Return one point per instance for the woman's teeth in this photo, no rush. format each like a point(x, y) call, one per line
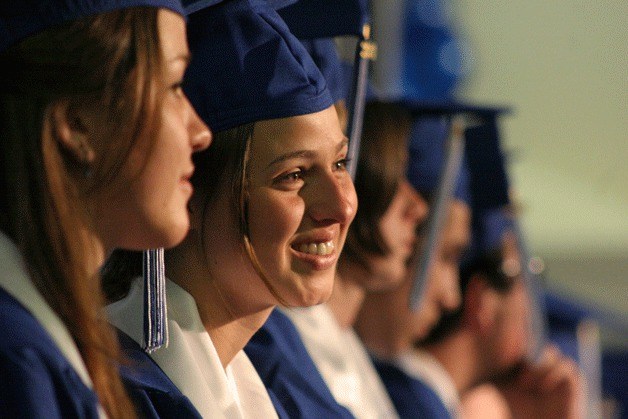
point(321, 249)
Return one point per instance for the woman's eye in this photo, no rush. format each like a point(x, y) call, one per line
point(291, 177)
point(341, 164)
point(178, 88)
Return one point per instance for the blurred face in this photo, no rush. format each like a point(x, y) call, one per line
point(509, 336)
point(398, 228)
point(443, 289)
point(151, 211)
point(301, 201)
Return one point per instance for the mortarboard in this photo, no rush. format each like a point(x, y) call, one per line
point(486, 160)
point(323, 52)
point(427, 153)
point(311, 19)
point(20, 19)
point(490, 192)
point(192, 6)
point(248, 67)
point(488, 184)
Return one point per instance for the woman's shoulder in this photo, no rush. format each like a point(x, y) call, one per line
point(22, 332)
point(37, 380)
point(152, 392)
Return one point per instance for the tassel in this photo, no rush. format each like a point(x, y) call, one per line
point(423, 259)
point(366, 51)
point(155, 308)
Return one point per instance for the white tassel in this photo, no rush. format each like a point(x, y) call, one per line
point(155, 307)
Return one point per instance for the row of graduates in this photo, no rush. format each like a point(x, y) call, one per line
point(284, 299)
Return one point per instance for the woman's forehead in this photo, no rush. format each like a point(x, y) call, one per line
point(306, 135)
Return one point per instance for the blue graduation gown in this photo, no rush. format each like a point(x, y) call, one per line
point(152, 392)
point(36, 380)
point(283, 363)
point(412, 398)
point(150, 389)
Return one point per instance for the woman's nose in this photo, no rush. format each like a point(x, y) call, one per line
point(333, 199)
point(417, 208)
point(200, 134)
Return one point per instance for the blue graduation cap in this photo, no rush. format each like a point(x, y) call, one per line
point(310, 19)
point(424, 57)
point(192, 6)
point(488, 183)
point(488, 229)
point(316, 23)
point(20, 19)
point(486, 160)
point(248, 67)
point(323, 52)
point(316, 19)
point(427, 157)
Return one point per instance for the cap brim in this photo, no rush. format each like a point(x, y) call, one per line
point(434, 107)
point(308, 19)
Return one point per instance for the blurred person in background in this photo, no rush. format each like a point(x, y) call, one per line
point(487, 338)
point(385, 323)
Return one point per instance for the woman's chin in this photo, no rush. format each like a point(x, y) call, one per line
point(311, 296)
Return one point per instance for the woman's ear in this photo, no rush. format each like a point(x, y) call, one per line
point(71, 135)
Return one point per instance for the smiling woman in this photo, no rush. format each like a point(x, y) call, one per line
point(271, 207)
point(300, 206)
point(379, 245)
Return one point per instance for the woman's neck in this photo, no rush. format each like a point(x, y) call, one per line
point(230, 336)
point(229, 322)
point(348, 294)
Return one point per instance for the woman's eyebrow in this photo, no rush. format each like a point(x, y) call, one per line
point(342, 144)
point(292, 155)
point(305, 153)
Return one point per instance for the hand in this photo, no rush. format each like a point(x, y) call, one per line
point(551, 388)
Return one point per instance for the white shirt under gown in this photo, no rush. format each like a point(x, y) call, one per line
point(343, 361)
point(190, 360)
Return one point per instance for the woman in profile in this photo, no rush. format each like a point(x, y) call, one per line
point(96, 138)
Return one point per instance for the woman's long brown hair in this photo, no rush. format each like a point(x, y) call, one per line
point(381, 166)
point(107, 64)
